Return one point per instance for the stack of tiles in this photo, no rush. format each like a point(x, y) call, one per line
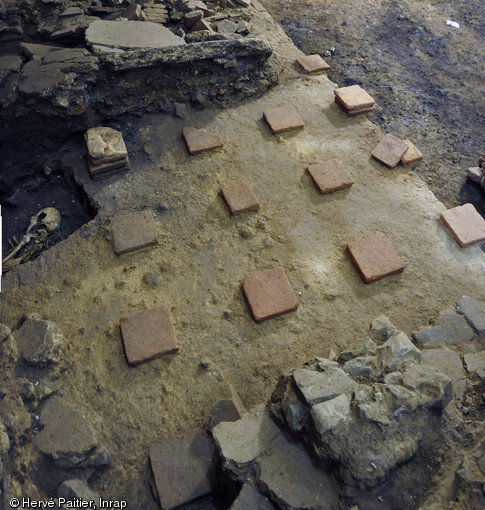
point(354, 100)
point(107, 154)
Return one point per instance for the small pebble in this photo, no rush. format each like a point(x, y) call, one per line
point(204, 364)
point(153, 279)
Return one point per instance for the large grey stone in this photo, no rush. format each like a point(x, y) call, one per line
point(67, 435)
point(39, 342)
point(448, 362)
point(475, 363)
point(72, 489)
point(240, 442)
point(397, 352)
point(290, 478)
point(362, 367)
point(317, 387)
point(223, 410)
point(474, 311)
point(331, 413)
point(250, 498)
point(368, 348)
point(448, 329)
point(294, 410)
point(9, 64)
point(434, 389)
point(131, 35)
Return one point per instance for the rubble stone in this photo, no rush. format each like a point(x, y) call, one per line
point(4, 332)
point(39, 342)
point(475, 363)
point(240, 442)
point(72, 489)
point(381, 328)
point(223, 410)
point(249, 497)
point(448, 329)
point(330, 414)
point(369, 348)
point(362, 367)
point(434, 388)
point(397, 353)
point(474, 311)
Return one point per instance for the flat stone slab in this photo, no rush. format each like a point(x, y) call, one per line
point(465, 224)
point(223, 410)
point(317, 387)
point(290, 477)
point(130, 35)
point(283, 119)
point(200, 140)
point(240, 198)
point(67, 436)
point(412, 156)
point(183, 468)
point(39, 342)
point(449, 329)
point(374, 257)
point(133, 231)
point(148, 335)
point(390, 151)
point(268, 294)
point(240, 442)
point(313, 63)
point(330, 176)
point(249, 497)
point(474, 311)
point(475, 363)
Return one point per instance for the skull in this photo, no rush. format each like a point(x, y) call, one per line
point(49, 218)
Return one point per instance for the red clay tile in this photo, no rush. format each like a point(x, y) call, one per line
point(240, 198)
point(199, 140)
point(283, 119)
point(133, 231)
point(390, 151)
point(148, 335)
point(352, 112)
point(183, 468)
point(330, 176)
point(353, 97)
point(465, 224)
point(268, 294)
point(374, 257)
point(412, 156)
point(313, 63)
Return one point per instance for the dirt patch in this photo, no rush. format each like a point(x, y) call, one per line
point(425, 75)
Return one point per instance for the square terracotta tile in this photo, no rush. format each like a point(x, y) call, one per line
point(390, 151)
point(268, 294)
point(465, 224)
point(330, 176)
point(352, 112)
point(148, 335)
point(412, 156)
point(354, 97)
point(133, 231)
point(313, 63)
point(283, 119)
point(240, 198)
point(200, 140)
point(183, 468)
point(374, 257)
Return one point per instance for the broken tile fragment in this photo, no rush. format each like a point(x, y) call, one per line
point(133, 231)
point(465, 224)
point(330, 176)
point(374, 257)
point(268, 294)
point(412, 156)
point(354, 100)
point(240, 198)
point(148, 335)
point(107, 152)
point(183, 468)
point(390, 151)
point(313, 63)
point(283, 119)
point(199, 140)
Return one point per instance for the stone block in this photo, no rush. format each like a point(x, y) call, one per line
point(133, 231)
point(330, 414)
point(330, 176)
point(474, 311)
point(268, 294)
point(397, 353)
point(283, 119)
point(390, 151)
point(465, 224)
point(148, 335)
point(200, 140)
point(434, 388)
point(183, 468)
point(475, 363)
point(240, 198)
point(374, 257)
point(313, 64)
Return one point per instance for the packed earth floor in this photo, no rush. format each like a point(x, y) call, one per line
point(195, 268)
